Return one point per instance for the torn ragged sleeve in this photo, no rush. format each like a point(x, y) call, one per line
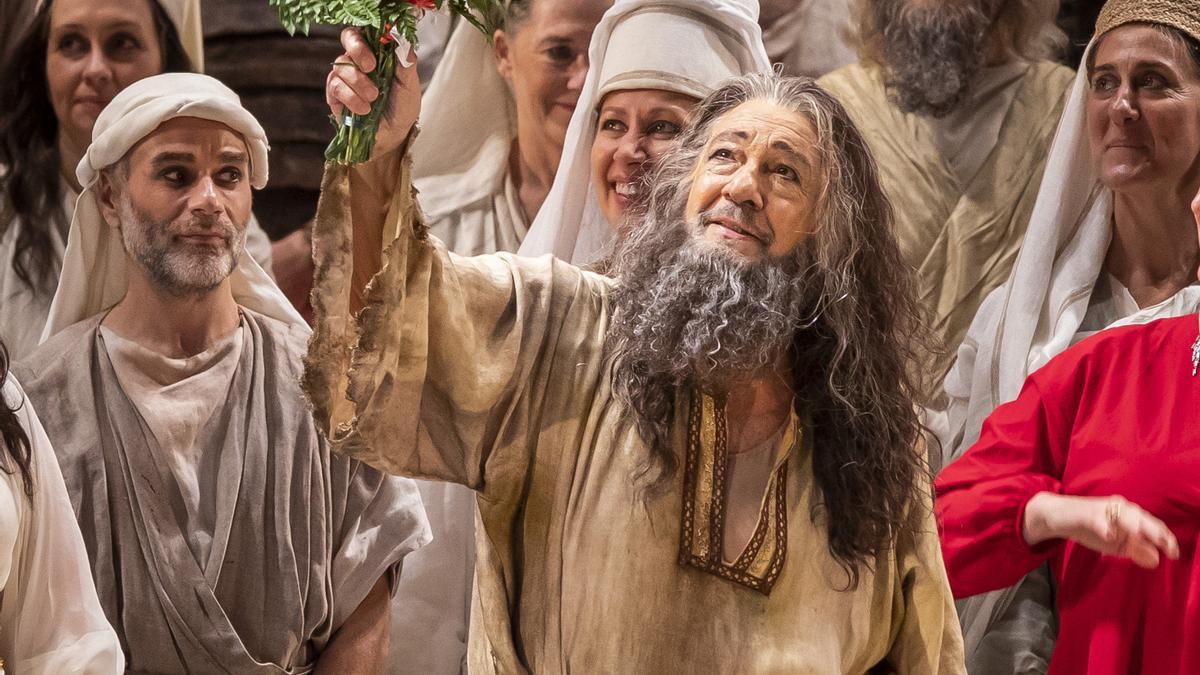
point(442, 363)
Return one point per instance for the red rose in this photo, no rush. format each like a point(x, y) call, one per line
point(423, 4)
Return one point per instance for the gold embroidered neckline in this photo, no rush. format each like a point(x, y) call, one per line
point(706, 482)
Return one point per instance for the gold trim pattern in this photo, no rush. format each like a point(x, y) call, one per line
point(705, 485)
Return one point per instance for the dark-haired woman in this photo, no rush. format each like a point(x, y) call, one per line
point(50, 617)
point(73, 59)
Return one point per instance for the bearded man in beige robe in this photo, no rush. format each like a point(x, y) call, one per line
point(958, 104)
point(706, 463)
point(222, 535)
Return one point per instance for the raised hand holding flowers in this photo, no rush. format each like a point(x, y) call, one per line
point(389, 28)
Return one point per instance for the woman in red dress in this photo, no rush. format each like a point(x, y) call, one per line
point(1092, 457)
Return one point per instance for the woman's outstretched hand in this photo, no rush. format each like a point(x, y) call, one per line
point(1109, 525)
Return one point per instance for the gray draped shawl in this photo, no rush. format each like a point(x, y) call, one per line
point(301, 536)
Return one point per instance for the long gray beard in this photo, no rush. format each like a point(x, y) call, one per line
point(689, 313)
point(933, 55)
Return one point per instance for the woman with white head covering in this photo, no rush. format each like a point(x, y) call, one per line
point(651, 61)
point(495, 119)
point(1111, 242)
point(72, 60)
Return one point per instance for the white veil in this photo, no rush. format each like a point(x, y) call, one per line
point(468, 128)
point(570, 224)
point(1036, 314)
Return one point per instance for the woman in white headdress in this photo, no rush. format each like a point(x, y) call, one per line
point(74, 57)
point(651, 62)
point(1111, 242)
point(496, 115)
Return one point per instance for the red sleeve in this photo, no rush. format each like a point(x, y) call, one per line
point(981, 498)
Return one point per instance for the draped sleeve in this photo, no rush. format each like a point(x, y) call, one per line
point(50, 617)
point(928, 639)
point(449, 358)
point(1021, 451)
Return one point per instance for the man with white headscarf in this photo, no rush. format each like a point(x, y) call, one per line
point(52, 96)
point(959, 104)
point(223, 536)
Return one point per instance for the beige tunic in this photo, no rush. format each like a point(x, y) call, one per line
point(491, 372)
point(959, 221)
point(812, 38)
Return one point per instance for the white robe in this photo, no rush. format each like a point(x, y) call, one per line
point(50, 619)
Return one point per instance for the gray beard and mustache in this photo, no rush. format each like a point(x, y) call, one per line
point(179, 269)
point(689, 312)
point(933, 55)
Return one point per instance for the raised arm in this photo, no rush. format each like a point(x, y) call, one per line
point(422, 362)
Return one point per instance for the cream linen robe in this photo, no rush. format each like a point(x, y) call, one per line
point(960, 230)
point(23, 311)
point(491, 372)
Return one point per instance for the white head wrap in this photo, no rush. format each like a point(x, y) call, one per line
point(469, 127)
point(683, 46)
point(1035, 315)
point(93, 274)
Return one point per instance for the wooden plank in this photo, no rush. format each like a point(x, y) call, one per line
point(277, 62)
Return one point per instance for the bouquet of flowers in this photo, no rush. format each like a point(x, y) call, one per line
point(390, 27)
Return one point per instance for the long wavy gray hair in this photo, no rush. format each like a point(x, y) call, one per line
point(841, 308)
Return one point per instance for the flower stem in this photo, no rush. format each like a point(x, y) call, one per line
point(355, 137)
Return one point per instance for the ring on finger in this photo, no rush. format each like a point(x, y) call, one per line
point(1113, 512)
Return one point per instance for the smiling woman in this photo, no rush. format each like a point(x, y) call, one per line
point(651, 63)
point(634, 128)
point(1143, 107)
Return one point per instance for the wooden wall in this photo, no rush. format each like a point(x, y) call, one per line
point(281, 80)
